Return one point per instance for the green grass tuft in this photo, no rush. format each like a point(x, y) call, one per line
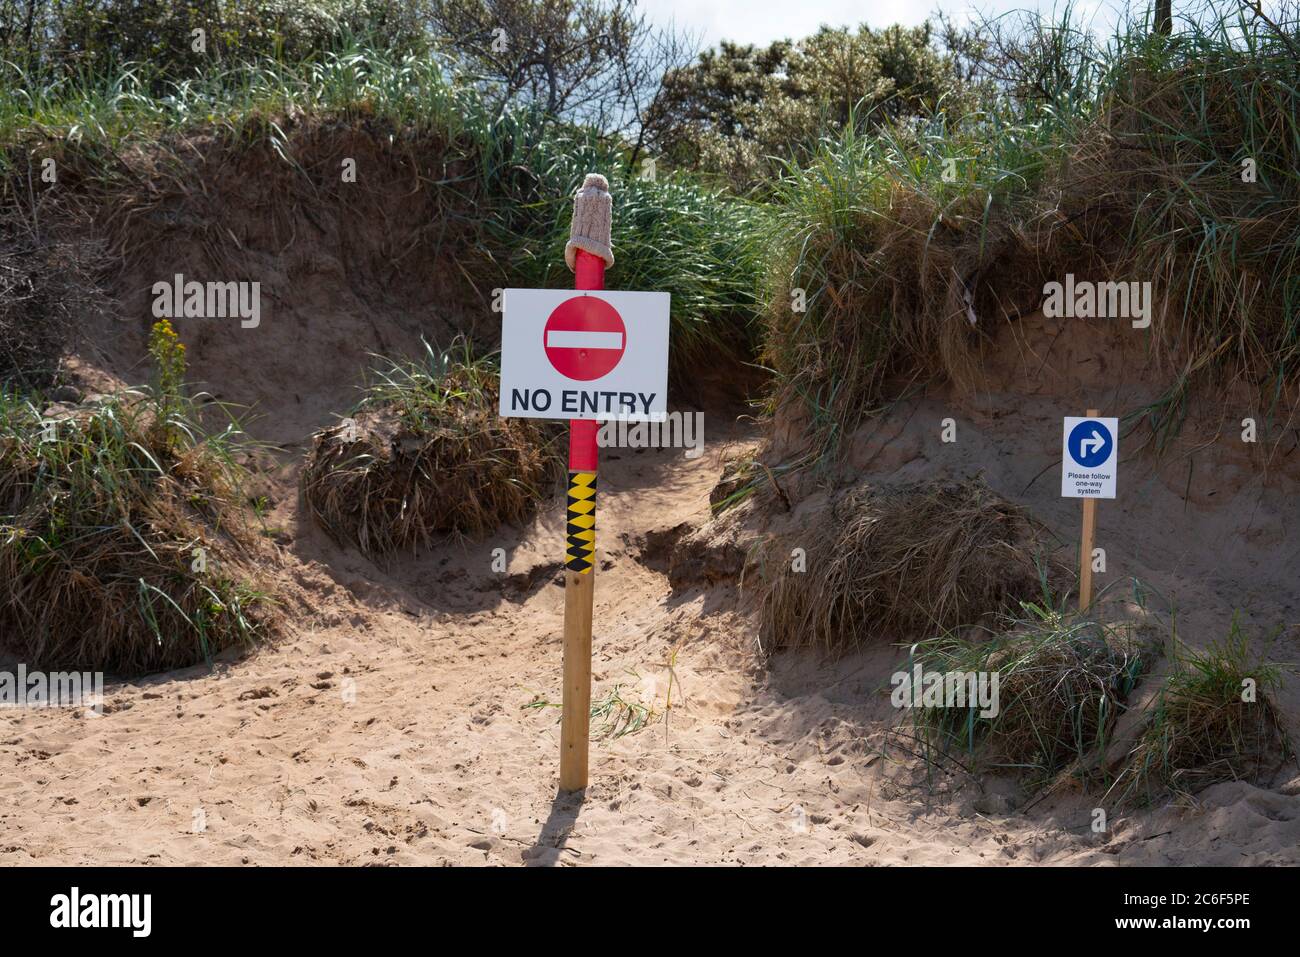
point(1062, 683)
point(122, 543)
point(1213, 720)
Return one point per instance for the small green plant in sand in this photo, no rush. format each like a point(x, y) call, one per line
point(168, 354)
point(1213, 720)
point(618, 715)
point(614, 713)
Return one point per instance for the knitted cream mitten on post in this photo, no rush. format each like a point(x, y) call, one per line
point(592, 208)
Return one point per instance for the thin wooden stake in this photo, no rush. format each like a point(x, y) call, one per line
point(575, 724)
point(1085, 544)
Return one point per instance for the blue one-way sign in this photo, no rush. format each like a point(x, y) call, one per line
point(1089, 458)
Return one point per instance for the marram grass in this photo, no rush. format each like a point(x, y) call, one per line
point(425, 457)
point(122, 541)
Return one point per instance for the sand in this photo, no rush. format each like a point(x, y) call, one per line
point(406, 716)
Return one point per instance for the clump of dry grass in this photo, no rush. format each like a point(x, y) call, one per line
point(1061, 684)
point(901, 564)
point(122, 546)
point(1206, 727)
point(426, 455)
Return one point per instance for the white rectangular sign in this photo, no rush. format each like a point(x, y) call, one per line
point(572, 354)
point(1089, 457)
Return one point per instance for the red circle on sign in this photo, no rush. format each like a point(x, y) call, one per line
point(584, 338)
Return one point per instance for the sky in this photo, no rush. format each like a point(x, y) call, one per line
point(762, 21)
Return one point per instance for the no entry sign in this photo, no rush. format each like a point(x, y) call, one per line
point(585, 338)
point(584, 355)
point(1089, 457)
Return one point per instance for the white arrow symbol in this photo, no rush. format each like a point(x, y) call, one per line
point(1096, 442)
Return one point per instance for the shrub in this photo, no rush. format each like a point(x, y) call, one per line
point(426, 455)
point(1062, 683)
point(1205, 727)
point(902, 564)
point(102, 36)
point(122, 546)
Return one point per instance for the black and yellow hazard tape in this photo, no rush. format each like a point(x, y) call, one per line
point(580, 551)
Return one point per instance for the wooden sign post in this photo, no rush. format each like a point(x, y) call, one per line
point(1089, 464)
point(579, 572)
point(583, 356)
point(1085, 543)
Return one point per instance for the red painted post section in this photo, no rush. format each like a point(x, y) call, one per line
point(588, 274)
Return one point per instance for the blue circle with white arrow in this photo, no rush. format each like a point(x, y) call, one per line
point(1090, 444)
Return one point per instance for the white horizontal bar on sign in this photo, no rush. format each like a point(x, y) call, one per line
point(577, 339)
